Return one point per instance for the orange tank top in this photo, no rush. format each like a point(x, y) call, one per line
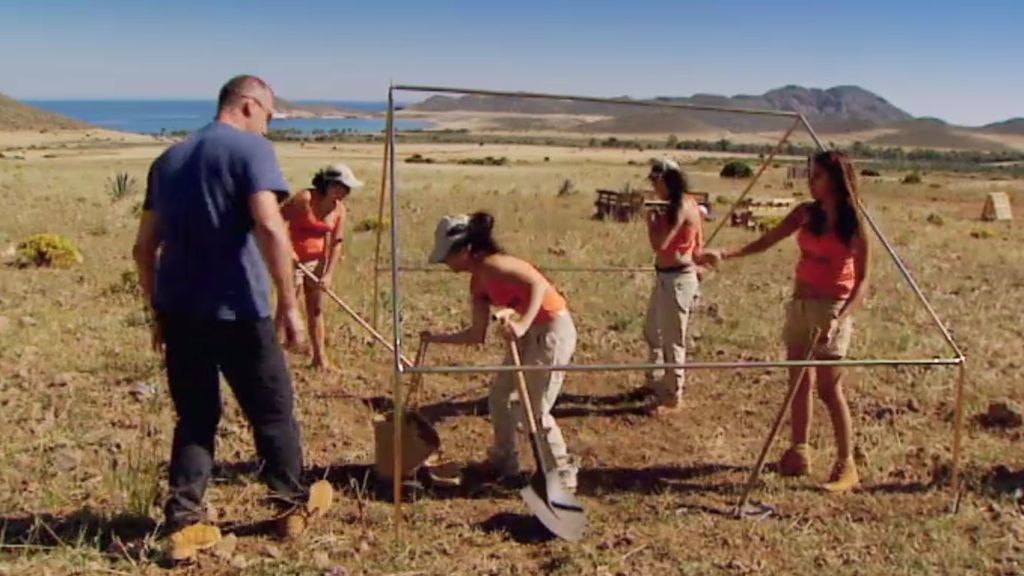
point(516, 295)
point(309, 233)
point(687, 239)
point(826, 264)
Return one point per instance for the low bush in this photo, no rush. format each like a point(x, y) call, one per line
point(47, 251)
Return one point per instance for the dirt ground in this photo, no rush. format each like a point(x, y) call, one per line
point(88, 420)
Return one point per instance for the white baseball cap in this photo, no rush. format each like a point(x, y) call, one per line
point(664, 165)
point(341, 173)
point(450, 230)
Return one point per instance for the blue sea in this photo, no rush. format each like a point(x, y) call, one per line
point(156, 116)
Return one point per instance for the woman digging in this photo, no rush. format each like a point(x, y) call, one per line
point(675, 235)
point(316, 222)
point(831, 276)
point(541, 326)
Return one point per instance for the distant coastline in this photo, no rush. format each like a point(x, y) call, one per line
point(175, 116)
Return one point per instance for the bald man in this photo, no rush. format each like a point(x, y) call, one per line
point(210, 241)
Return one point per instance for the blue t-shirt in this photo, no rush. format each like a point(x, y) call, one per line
point(209, 263)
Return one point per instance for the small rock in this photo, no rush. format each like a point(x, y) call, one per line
point(142, 390)
point(226, 547)
point(63, 379)
point(913, 405)
point(66, 460)
point(239, 562)
point(885, 413)
point(861, 457)
point(1001, 415)
point(941, 473)
point(272, 551)
point(321, 560)
point(28, 321)
point(212, 514)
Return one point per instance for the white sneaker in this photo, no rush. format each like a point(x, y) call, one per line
point(567, 473)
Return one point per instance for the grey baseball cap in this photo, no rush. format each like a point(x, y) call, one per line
point(450, 230)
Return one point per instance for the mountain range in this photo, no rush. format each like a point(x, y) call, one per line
point(837, 110)
point(850, 112)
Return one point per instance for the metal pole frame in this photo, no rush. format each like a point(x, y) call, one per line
point(399, 368)
point(753, 181)
point(597, 269)
point(396, 320)
point(380, 210)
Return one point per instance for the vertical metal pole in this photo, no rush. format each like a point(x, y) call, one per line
point(750, 186)
point(380, 212)
point(958, 424)
point(396, 319)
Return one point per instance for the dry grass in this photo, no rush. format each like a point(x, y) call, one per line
point(87, 419)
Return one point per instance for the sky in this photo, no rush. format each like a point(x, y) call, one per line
point(957, 60)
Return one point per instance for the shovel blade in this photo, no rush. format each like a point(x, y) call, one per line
point(556, 508)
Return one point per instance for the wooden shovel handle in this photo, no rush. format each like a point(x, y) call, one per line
point(524, 392)
point(755, 472)
point(417, 379)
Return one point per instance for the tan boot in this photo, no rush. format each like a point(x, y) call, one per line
point(844, 477)
point(184, 544)
point(796, 461)
point(321, 497)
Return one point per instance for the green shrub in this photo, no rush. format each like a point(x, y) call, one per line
point(419, 159)
point(981, 233)
point(737, 169)
point(912, 178)
point(126, 285)
point(870, 172)
point(47, 250)
point(935, 219)
point(769, 222)
point(723, 200)
point(370, 225)
point(121, 185)
point(485, 161)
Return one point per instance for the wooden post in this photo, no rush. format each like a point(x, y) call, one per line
point(380, 211)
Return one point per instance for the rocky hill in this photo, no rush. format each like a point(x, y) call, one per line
point(842, 108)
point(15, 115)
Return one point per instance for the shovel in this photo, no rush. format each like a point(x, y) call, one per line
point(547, 499)
point(419, 438)
point(352, 313)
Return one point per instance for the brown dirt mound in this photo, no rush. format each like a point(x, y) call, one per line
point(931, 133)
point(660, 122)
point(1014, 126)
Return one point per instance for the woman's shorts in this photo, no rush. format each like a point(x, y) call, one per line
point(300, 277)
point(804, 316)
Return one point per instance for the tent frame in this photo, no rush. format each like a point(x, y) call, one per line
point(390, 188)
